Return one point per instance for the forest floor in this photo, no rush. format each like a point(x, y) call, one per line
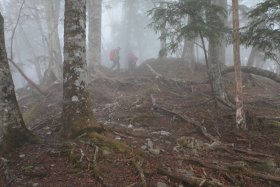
point(160, 131)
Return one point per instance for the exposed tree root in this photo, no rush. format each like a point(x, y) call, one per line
point(138, 165)
point(252, 153)
point(262, 176)
point(225, 169)
point(269, 118)
point(191, 180)
point(243, 158)
point(186, 119)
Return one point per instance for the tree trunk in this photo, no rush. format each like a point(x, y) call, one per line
point(256, 71)
point(278, 63)
point(252, 57)
point(163, 48)
point(13, 132)
point(77, 112)
point(94, 35)
point(55, 57)
point(188, 50)
point(129, 14)
point(214, 72)
point(221, 46)
point(240, 114)
point(215, 52)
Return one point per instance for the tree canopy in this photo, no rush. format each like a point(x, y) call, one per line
point(263, 30)
point(172, 16)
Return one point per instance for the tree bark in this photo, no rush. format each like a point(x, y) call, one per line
point(240, 113)
point(163, 48)
point(77, 112)
point(214, 70)
point(278, 63)
point(221, 46)
point(13, 132)
point(188, 49)
point(94, 35)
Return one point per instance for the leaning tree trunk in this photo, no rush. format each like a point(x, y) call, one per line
point(52, 8)
point(256, 71)
point(13, 132)
point(240, 113)
point(252, 56)
point(188, 50)
point(94, 35)
point(77, 113)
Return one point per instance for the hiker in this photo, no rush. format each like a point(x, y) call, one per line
point(115, 58)
point(132, 60)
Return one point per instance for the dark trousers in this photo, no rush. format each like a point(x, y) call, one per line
point(131, 66)
point(116, 63)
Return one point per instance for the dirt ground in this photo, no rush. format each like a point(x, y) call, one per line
point(160, 131)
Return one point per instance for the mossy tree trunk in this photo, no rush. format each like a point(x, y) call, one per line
point(77, 112)
point(13, 132)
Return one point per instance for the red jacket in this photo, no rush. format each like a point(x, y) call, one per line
point(132, 57)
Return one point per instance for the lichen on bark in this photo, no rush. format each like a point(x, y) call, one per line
point(77, 109)
point(13, 132)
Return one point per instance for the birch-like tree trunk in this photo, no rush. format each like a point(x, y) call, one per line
point(54, 49)
point(77, 111)
point(13, 132)
point(240, 113)
point(94, 34)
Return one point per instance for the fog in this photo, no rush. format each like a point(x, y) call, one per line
point(124, 24)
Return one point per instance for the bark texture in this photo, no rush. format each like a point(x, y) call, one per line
point(216, 55)
point(94, 34)
point(240, 113)
point(214, 71)
point(221, 46)
point(13, 132)
point(77, 112)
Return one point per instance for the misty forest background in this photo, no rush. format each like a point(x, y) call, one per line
point(32, 24)
point(201, 107)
